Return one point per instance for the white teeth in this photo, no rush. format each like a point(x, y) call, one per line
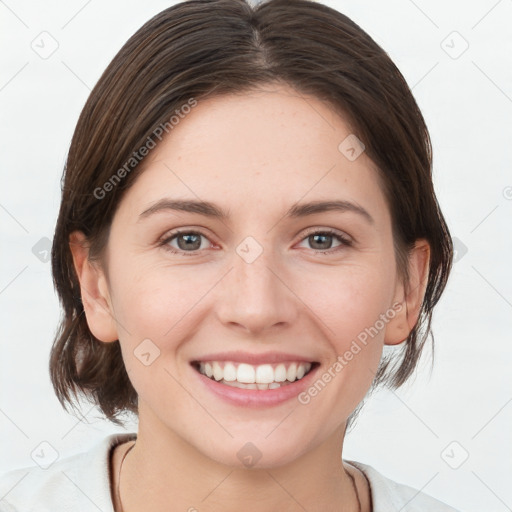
point(230, 372)
point(291, 373)
point(263, 376)
point(217, 371)
point(280, 373)
point(245, 373)
point(236, 384)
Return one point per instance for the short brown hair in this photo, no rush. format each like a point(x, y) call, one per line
point(202, 48)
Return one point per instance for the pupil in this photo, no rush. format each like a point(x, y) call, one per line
point(194, 241)
point(315, 237)
point(189, 241)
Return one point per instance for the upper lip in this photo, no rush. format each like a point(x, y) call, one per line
point(255, 359)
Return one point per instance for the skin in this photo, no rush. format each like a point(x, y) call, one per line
point(292, 298)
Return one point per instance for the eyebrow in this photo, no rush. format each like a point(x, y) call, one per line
point(212, 210)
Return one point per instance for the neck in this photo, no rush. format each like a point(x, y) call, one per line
point(163, 469)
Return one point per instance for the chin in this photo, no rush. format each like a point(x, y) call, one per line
point(254, 451)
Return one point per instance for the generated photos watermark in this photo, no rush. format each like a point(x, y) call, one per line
point(143, 151)
point(343, 360)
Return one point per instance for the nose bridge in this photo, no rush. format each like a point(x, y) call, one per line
point(254, 294)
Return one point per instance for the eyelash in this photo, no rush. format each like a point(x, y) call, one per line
point(345, 241)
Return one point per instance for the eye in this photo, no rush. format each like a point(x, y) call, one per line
point(321, 240)
point(189, 242)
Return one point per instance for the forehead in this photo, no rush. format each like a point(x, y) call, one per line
point(267, 147)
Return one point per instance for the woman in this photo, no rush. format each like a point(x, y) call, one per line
point(247, 219)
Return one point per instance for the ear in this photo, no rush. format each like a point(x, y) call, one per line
point(94, 290)
point(408, 301)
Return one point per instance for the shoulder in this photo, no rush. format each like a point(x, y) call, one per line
point(391, 496)
point(80, 481)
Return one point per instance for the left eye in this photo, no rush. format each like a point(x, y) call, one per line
point(325, 238)
point(189, 242)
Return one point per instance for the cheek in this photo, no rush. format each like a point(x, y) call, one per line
point(155, 308)
point(348, 300)
point(349, 309)
point(154, 303)
point(158, 301)
point(351, 304)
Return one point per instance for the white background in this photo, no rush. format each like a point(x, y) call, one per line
point(467, 103)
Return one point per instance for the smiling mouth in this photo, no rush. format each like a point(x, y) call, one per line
point(248, 376)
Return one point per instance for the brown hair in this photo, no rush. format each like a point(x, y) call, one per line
point(202, 48)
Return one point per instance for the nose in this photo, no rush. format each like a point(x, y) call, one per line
point(257, 296)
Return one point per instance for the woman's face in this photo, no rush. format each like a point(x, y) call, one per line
point(254, 292)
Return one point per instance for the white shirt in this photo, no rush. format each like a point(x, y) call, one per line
point(81, 483)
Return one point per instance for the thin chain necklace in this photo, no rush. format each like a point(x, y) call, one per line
point(355, 492)
point(126, 453)
point(119, 478)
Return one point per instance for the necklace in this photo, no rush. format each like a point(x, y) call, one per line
point(355, 492)
point(118, 495)
point(126, 453)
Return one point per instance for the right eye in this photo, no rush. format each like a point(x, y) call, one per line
point(189, 242)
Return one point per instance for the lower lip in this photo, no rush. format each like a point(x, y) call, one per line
point(257, 397)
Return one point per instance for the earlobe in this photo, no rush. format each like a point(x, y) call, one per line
point(93, 289)
point(411, 299)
